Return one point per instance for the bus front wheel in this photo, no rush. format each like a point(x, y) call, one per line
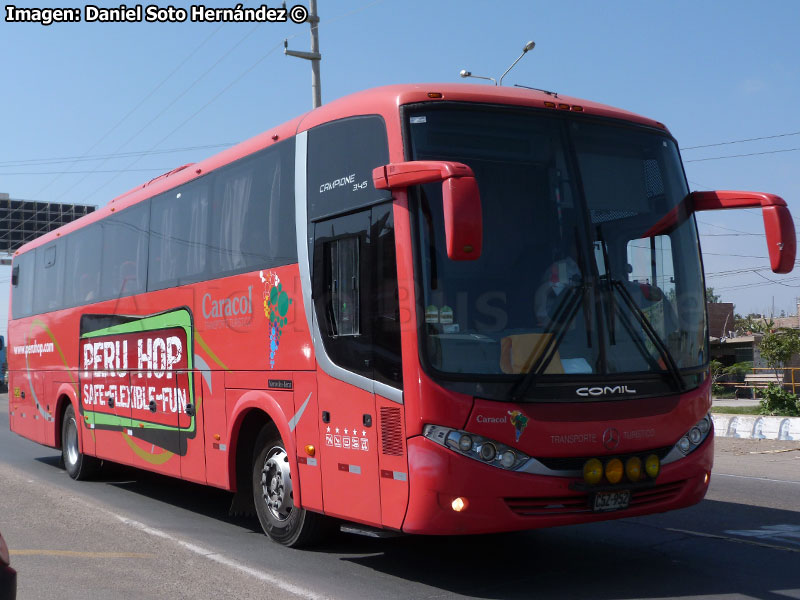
point(78, 465)
point(273, 495)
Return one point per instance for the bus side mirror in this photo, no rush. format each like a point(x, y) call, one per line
point(461, 200)
point(778, 224)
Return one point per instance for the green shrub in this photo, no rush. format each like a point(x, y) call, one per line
point(777, 401)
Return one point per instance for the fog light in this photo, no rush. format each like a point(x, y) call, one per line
point(465, 443)
point(695, 435)
point(592, 471)
point(652, 466)
point(633, 468)
point(704, 426)
point(684, 445)
point(614, 470)
point(488, 451)
point(508, 459)
point(459, 504)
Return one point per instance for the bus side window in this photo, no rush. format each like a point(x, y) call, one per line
point(83, 265)
point(125, 239)
point(22, 290)
point(252, 213)
point(179, 226)
point(49, 277)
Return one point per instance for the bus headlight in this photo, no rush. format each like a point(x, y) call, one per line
point(690, 440)
point(489, 452)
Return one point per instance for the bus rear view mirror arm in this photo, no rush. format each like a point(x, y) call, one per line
point(461, 200)
point(778, 223)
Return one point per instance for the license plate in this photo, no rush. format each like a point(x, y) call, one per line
point(608, 501)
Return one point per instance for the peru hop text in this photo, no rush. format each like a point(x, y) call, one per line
point(154, 13)
point(156, 358)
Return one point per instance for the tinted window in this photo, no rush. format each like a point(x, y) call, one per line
point(345, 286)
point(341, 157)
point(179, 235)
point(341, 251)
point(386, 304)
point(22, 293)
point(49, 284)
point(125, 238)
point(253, 213)
point(83, 266)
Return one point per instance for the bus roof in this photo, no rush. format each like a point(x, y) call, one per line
point(381, 100)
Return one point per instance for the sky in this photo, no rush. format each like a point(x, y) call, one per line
point(165, 94)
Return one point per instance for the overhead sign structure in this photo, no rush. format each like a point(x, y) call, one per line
point(24, 220)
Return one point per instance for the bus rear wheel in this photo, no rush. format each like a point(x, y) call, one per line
point(273, 495)
point(78, 465)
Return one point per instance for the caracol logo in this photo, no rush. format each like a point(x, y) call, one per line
point(606, 390)
point(482, 419)
point(228, 307)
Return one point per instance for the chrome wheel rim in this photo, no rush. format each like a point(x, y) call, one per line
point(276, 484)
point(71, 442)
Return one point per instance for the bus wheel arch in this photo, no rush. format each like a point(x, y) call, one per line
point(58, 414)
point(66, 397)
point(78, 465)
point(253, 411)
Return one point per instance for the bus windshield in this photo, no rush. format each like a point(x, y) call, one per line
point(590, 265)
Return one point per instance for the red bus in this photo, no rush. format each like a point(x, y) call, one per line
point(436, 309)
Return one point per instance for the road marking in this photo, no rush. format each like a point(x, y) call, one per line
point(715, 474)
point(731, 539)
point(224, 560)
point(77, 554)
point(780, 533)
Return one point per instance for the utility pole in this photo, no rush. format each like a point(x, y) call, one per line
point(314, 56)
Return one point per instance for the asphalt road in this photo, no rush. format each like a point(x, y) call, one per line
point(131, 534)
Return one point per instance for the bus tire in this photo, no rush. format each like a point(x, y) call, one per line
point(280, 519)
point(78, 465)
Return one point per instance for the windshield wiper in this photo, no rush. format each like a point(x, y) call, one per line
point(651, 333)
point(568, 307)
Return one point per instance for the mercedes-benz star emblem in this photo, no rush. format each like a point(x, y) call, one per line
point(610, 438)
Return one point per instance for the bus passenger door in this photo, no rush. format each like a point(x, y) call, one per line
point(341, 285)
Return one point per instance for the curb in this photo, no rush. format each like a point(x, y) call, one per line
point(756, 428)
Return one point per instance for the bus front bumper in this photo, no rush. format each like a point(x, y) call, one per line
point(495, 500)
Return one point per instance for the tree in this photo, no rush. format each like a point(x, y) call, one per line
point(752, 323)
point(711, 296)
point(778, 347)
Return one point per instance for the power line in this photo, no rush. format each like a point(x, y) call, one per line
point(726, 228)
point(151, 169)
point(766, 137)
point(741, 155)
point(236, 80)
point(194, 114)
point(168, 106)
point(135, 108)
point(88, 158)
